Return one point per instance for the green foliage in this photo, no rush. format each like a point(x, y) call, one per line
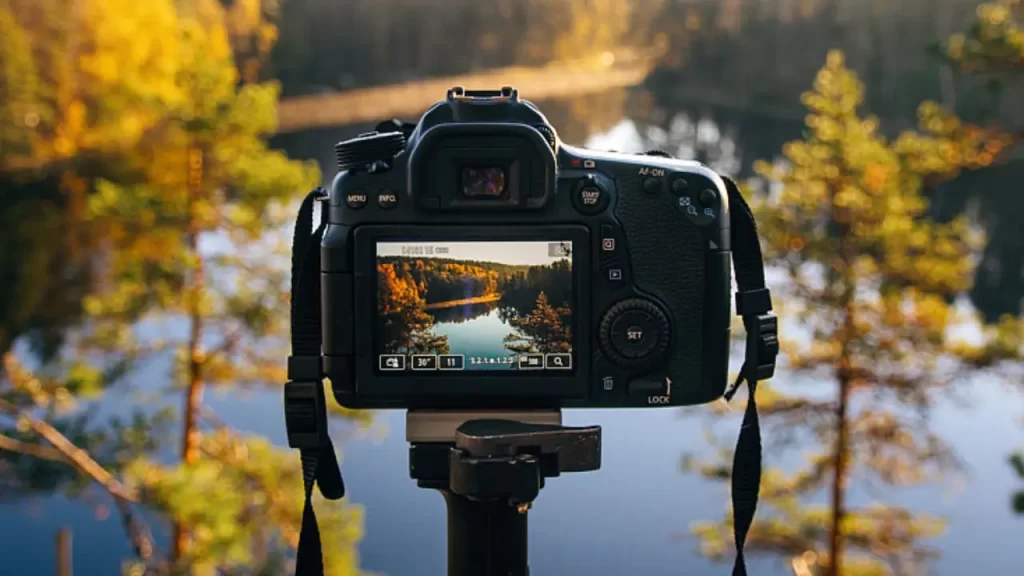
point(127, 125)
point(245, 500)
point(872, 284)
point(994, 43)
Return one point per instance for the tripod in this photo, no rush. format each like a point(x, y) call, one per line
point(490, 466)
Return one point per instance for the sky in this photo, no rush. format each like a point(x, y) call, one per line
point(515, 253)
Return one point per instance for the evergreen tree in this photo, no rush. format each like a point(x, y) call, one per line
point(544, 330)
point(868, 304)
point(993, 49)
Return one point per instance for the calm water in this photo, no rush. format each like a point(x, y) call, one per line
point(629, 518)
point(477, 332)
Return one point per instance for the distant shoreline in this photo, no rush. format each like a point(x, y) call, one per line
point(473, 300)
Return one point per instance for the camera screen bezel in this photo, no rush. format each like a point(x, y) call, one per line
point(469, 386)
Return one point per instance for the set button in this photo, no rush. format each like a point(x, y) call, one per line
point(634, 330)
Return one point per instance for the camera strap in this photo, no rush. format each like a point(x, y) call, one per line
point(754, 305)
point(305, 400)
point(305, 403)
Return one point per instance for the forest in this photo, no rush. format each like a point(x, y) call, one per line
point(437, 282)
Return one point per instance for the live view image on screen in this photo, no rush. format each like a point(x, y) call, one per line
point(494, 305)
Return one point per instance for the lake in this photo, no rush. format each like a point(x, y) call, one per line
point(477, 332)
point(629, 518)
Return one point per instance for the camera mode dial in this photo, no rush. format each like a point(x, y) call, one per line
point(368, 148)
point(633, 331)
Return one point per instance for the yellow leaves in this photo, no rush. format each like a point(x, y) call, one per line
point(994, 14)
point(955, 46)
point(835, 59)
point(930, 312)
point(994, 43)
point(875, 177)
point(70, 130)
point(853, 198)
point(1003, 341)
point(123, 64)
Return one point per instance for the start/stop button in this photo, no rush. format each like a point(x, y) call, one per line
point(589, 196)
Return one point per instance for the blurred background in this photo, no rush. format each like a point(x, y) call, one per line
point(152, 155)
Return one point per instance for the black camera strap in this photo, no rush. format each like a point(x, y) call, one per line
point(305, 400)
point(754, 305)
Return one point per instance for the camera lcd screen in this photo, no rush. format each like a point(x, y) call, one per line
point(465, 306)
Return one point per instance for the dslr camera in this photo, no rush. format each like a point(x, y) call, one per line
point(475, 261)
point(477, 271)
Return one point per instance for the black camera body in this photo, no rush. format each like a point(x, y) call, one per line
point(477, 262)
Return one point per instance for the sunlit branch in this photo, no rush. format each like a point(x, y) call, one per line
point(64, 450)
point(35, 450)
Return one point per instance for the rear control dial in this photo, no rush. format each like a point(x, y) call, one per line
point(633, 331)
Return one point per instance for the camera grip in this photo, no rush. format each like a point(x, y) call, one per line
point(671, 259)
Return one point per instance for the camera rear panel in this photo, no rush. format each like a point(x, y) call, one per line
point(642, 319)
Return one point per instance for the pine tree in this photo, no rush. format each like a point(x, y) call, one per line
point(867, 306)
point(544, 330)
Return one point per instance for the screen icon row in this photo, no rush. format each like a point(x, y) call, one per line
point(555, 361)
point(396, 362)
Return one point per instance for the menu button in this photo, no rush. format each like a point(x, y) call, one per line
point(355, 200)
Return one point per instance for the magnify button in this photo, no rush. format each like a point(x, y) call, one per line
point(559, 361)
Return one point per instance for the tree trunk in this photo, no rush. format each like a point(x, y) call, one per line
point(847, 335)
point(835, 547)
point(194, 394)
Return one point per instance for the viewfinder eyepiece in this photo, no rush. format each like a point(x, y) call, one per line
point(484, 181)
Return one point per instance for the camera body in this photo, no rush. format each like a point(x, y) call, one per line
point(478, 262)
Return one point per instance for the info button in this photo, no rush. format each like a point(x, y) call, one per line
point(387, 199)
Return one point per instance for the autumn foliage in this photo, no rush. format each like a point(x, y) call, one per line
point(871, 285)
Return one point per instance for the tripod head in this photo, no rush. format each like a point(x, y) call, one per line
point(491, 466)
